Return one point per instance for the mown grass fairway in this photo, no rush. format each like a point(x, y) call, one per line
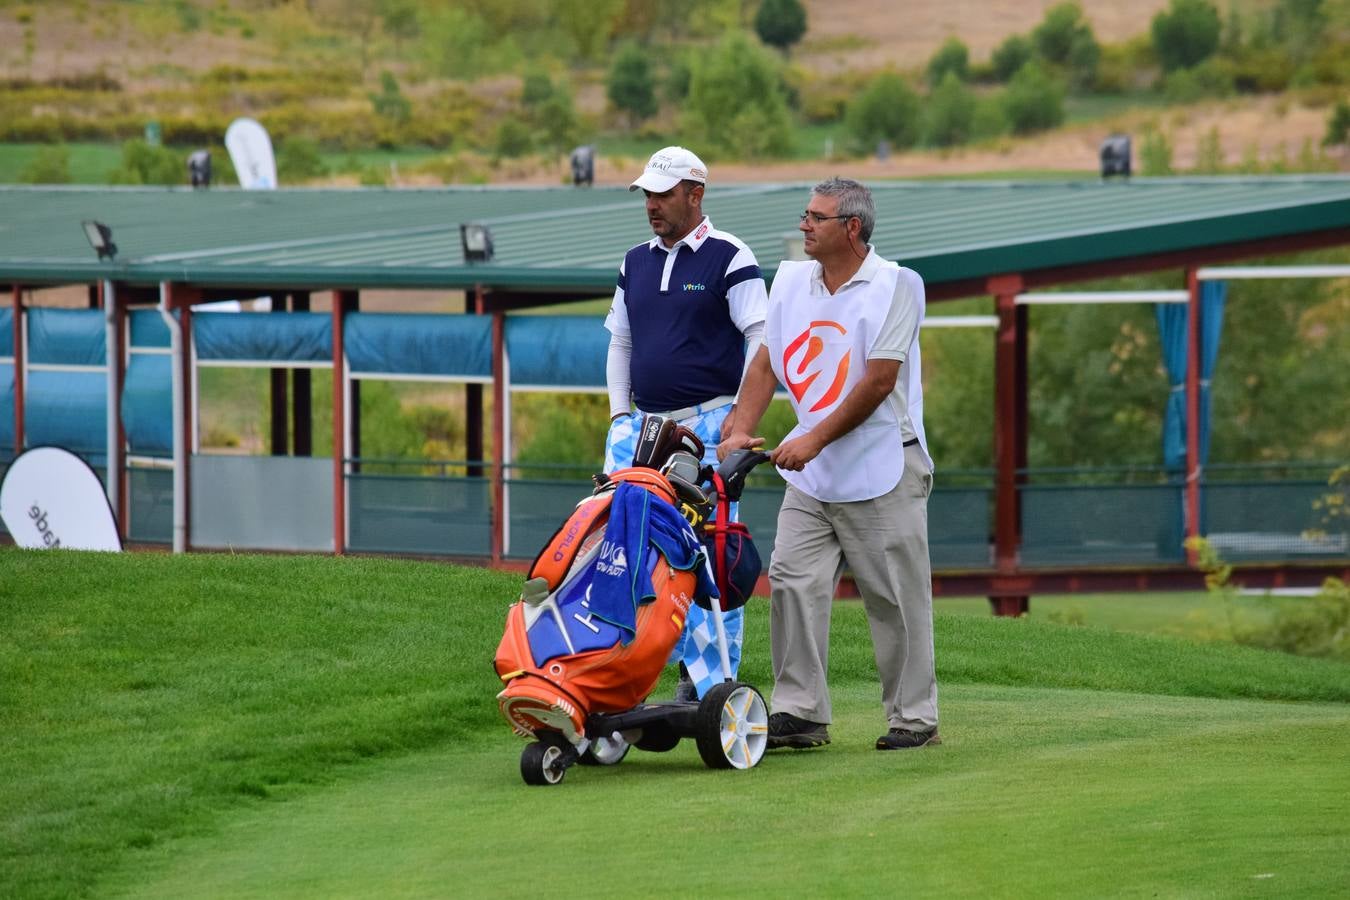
point(314, 727)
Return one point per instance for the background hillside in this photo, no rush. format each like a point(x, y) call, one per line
point(404, 92)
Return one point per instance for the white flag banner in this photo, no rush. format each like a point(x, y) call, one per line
point(50, 498)
point(251, 152)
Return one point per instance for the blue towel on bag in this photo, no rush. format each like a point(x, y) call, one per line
point(638, 519)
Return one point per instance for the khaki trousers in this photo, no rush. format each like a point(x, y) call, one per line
point(884, 543)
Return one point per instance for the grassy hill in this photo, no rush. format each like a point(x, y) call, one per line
point(295, 726)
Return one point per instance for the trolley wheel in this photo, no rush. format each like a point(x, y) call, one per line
point(733, 727)
point(608, 750)
point(542, 763)
point(658, 737)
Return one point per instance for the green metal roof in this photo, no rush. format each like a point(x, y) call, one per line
point(571, 240)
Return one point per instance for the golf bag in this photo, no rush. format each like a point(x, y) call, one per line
point(607, 597)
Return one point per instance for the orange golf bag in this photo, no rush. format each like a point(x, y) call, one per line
point(560, 657)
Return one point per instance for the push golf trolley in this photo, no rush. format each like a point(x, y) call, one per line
point(605, 602)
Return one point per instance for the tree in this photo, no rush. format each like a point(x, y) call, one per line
point(953, 57)
point(950, 115)
point(1054, 37)
point(780, 23)
point(1034, 101)
point(630, 85)
point(887, 109)
point(390, 103)
point(1338, 125)
point(1185, 34)
point(738, 80)
point(1014, 53)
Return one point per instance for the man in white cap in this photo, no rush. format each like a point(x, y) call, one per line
point(687, 304)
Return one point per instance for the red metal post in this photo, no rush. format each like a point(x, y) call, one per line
point(499, 522)
point(18, 369)
point(1009, 435)
point(1192, 409)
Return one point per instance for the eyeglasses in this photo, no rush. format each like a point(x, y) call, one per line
point(817, 218)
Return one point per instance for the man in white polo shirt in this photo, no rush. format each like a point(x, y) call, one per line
point(842, 336)
point(688, 303)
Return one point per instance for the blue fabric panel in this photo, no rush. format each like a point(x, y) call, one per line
point(419, 344)
point(585, 630)
point(68, 409)
point(1213, 297)
point(6, 409)
point(1172, 336)
point(147, 328)
point(562, 351)
point(263, 337)
point(147, 404)
point(66, 336)
point(6, 331)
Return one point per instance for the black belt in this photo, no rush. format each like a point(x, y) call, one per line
point(910, 443)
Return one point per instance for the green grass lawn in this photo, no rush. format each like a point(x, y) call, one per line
point(215, 725)
point(89, 163)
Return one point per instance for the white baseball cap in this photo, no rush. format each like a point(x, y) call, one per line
point(667, 168)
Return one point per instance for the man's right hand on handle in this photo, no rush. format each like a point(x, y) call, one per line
point(738, 440)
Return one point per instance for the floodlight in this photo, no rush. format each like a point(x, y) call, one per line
point(583, 165)
point(199, 169)
point(100, 238)
point(1115, 154)
point(476, 239)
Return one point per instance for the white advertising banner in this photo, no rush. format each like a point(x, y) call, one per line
point(50, 498)
point(251, 152)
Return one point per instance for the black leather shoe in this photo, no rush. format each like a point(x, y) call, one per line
point(904, 739)
point(787, 730)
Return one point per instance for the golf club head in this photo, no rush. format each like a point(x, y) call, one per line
point(735, 468)
point(659, 437)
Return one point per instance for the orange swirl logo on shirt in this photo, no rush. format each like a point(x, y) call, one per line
point(804, 361)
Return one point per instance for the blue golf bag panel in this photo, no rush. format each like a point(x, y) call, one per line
point(565, 626)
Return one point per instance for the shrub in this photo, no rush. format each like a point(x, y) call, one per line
point(950, 113)
point(298, 160)
point(1204, 80)
point(887, 109)
point(1014, 53)
point(1155, 154)
point(952, 57)
point(630, 85)
point(1185, 34)
point(1034, 101)
point(50, 165)
point(555, 121)
point(513, 139)
point(1338, 125)
point(145, 164)
point(1209, 153)
point(1054, 37)
point(737, 77)
point(390, 103)
point(678, 76)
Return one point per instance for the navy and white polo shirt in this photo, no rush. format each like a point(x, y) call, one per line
point(686, 310)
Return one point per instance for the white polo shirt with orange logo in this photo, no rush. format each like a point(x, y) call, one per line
point(819, 344)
